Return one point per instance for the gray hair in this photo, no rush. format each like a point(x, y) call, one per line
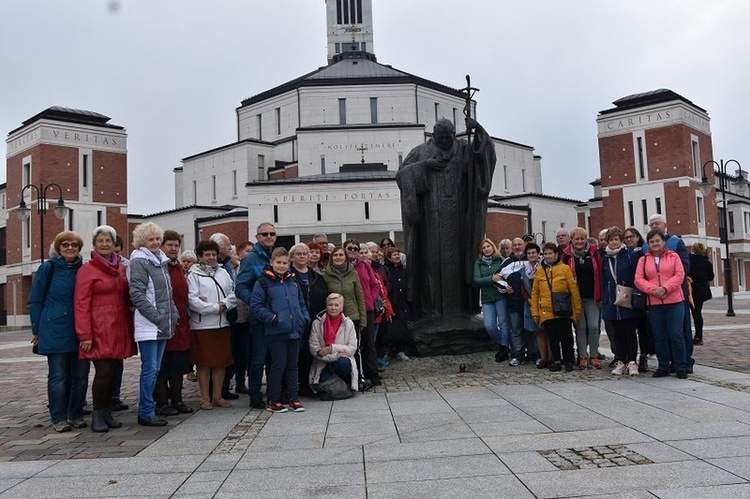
point(190, 255)
point(106, 229)
point(263, 224)
point(143, 231)
point(657, 216)
point(562, 230)
point(298, 247)
point(219, 239)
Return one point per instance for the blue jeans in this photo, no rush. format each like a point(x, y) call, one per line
point(342, 367)
point(687, 332)
point(67, 382)
point(496, 321)
point(587, 329)
point(667, 328)
point(258, 352)
point(518, 346)
point(284, 355)
point(151, 354)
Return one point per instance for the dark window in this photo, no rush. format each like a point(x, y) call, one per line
point(644, 208)
point(322, 165)
point(373, 109)
point(275, 213)
point(339, 20)
point(320, 213)
point(658, 205)
point(367, 210)
point(631, 213)
point(98, 217)
point(346, 11)
point(359, 11)
point(278, 121)
point(85, 173)
point(400, 159)
point(641, 165)
point(342, 111)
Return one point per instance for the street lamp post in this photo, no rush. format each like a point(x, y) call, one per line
point(705, 187)
point(24, 211)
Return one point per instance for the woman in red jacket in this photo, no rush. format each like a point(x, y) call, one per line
point(174, 363)
point(660, 274)
point(104, 324)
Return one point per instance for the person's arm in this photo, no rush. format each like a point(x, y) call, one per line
point(36, 297)
point(198, 303)
point(246, 278)
point(82, 299)
point(258, 306)
point(674, 282)
point(641, 280)
point(360, 296)
point(139, 278)
point(575, 294)
point(316, 337)
point(227, 285)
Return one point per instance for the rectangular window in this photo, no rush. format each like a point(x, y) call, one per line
point(523, 180)
point(338, 48)
point(26, 174)
point(731, 221)
point(644, 209)
point(322, 165)
point(696, 155)
point(99, 218)
point(400, 159)
point(27, 233)
point(631, 214)
point(234, 182)
point(261, 168)
point(346, 11)
point(505, 176)
point(359, 11)
point(454, 117)
point(544, 230)
point(367, 210)
point(658, 205)
point(259, 125)
point(275, 213)
point(85, 171)
point(278, 121)
point(641, 162)
point(699, 201)
point(437, 111)
point(339, 19)
point(70, 219)
point(747, 223)
point(195, 192)
point(342, 111)
point(213, 187)
point(320, 213)
point(373, 109)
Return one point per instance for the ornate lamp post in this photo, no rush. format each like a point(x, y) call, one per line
point(705, 187)
point(24, 211)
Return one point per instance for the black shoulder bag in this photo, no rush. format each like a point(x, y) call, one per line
point(562, 305)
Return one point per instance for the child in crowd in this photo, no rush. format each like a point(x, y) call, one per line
point(278, 303)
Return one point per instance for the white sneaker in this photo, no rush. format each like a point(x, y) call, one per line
point(402, 356)
point(619, 369)
point(514, 362)
point(632, 368)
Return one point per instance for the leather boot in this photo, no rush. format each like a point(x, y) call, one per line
point(109, 420)
point(97, 422)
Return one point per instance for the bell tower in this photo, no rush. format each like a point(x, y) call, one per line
point(349, 27)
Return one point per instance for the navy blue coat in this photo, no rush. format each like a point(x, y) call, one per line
point(624, 264)
point(250, 269)
point(52, 319)
point(279, 305)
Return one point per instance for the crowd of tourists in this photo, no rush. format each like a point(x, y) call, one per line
point(545, 305)
point(317, 319)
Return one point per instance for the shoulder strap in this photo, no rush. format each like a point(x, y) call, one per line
point(48, 283)
point(611, 269)
point(221, 290)
point(549, 283)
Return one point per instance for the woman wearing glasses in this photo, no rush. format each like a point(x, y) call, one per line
point(51, 310)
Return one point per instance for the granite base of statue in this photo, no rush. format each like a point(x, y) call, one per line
point(454, 335)
point(444, 185)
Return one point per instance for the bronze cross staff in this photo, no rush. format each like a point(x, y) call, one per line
point(470, 91)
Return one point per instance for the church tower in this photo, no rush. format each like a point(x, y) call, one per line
point(349, 27)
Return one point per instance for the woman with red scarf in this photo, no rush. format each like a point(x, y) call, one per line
point(333, 341)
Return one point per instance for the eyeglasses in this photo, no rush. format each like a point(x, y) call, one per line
point(352, 249)
point(631, 236)
point(69, 244)
point(387, 245)
point(267, 234)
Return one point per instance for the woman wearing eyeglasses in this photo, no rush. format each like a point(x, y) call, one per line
point(51, 310)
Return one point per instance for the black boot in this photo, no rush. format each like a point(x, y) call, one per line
point(109, 420)
point(502, 354)
point(97, 422)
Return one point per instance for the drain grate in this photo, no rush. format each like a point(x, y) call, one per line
point(602, 456)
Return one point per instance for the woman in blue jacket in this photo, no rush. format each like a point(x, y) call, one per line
point(51, 308)
point(277, 302)
point(619, 267)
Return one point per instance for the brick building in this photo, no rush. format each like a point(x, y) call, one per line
point(70, 153)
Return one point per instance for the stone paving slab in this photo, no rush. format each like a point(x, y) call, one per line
point(450, 488)
point(739, 491)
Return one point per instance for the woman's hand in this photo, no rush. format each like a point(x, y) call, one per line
point(324, 351)
point(342, 355)
point(497, 278)
point(35, 340)
point(86, 345)
point(222, 307)
point(660, 292)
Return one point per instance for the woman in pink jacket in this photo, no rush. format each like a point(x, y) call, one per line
point(660, 274)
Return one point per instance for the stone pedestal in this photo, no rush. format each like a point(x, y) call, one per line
point(454, 335)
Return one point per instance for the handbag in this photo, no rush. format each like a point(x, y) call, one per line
point(333, 388)
point(562, 305)
point(638, 300)
point(624, 294)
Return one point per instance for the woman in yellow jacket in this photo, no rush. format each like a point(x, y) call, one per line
point(555, 276)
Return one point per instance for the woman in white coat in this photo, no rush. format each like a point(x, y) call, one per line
point(210, 295)
point(333, 341)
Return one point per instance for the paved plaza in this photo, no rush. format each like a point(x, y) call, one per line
point(429, 431)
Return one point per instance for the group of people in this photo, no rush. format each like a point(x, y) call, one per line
point(301, 316)
point(546, 304)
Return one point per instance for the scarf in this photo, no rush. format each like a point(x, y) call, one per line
point(209, 270)
point(530, 269)
point(487, 260)
point(339, 270)
point(613, 252)
point(330, 327)
point(581, 255)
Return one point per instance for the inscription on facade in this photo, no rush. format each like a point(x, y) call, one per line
point(331, 197)
point(57, 135)
point(356, 146)
point(662, 117)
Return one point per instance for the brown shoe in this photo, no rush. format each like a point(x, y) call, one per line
point(206, 405)
point(582, 363)
point(595, 363)
point(222, 403)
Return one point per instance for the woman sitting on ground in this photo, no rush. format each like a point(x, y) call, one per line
point(333, 341)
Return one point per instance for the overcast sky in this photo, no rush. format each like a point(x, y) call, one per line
point(172, 72)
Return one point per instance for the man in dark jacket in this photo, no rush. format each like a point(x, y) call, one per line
point(511, 270)
point(251, 268)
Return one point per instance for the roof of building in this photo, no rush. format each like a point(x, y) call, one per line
point(350, 176)
point(534, 195)
point(227, 146)
point(222, 208)
point(649, 98)
point(69, 115)
point(356, 68)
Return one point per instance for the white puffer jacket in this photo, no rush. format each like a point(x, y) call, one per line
point(207, 287)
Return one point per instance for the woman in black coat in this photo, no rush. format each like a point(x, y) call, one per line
point(314, 291)
point(701, 272)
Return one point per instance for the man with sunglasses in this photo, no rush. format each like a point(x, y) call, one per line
point(250, 269)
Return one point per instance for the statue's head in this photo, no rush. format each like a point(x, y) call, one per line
point(443, 134)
